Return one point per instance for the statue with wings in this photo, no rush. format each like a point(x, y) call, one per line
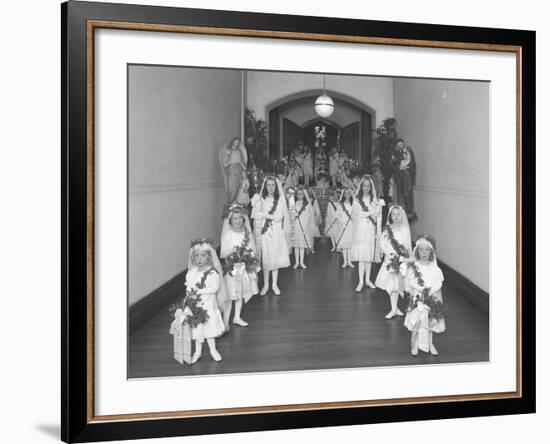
point(233, 161)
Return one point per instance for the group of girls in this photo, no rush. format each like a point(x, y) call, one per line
point(214, 285)
point(353, 223)
point(412, 272)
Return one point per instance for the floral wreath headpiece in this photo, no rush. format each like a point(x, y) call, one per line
point(425, 239)
point(202, 243)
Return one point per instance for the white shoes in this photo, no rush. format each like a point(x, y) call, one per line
point(296, 266)
point(399, 313)
point(359, 287)
point(241, 322)
point(370, 284)
point(264, 291)
point(215, 355)
point(195, 358)
point(390, 315)
point(276, 290)
point(303, 266)
point(433, 350)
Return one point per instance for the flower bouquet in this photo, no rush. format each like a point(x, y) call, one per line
point(425, 300)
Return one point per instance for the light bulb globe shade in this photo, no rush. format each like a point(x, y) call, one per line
point(324, 106)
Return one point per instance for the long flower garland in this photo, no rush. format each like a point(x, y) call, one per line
point(268, 222)
point(401, 254)
point(366, 209)
point(345, 210)
point(192, 301)
point(437, 307)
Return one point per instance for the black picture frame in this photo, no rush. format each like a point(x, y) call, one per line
point(77, 425)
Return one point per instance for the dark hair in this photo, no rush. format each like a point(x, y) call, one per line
point(399, 140)
point(303, 191)
point(350, 200)
point(276, 193)
point(432, 254)
point(360, 194)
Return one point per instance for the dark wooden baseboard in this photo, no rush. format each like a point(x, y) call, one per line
point(471, 292)
point(145, 309)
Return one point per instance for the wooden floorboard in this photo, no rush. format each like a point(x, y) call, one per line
point(319, 322)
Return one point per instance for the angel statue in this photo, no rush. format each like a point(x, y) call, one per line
point(233, 160)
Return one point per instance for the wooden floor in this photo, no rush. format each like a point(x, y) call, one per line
point(318, 322)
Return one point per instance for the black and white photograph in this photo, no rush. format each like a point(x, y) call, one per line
point(296, 221)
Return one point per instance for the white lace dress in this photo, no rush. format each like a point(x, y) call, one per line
point(417, 320)
point(345, 218)
point(299, 237)
point(275, 249)
point(387, 280)
point(214, 325)
point(364, 231)
point(239, 283)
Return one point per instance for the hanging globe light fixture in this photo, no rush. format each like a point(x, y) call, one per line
point(324, 105)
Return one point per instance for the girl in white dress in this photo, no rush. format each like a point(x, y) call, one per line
point(307, 165)
point(205, 287)
point(257, 223)
point(345, 218)
point(292, 174)
point(367, 214)
point(272, 213)
point(333, 165)
point(395, 245)
point(423, 277)
point(316, 219)
point(238, 252)
point(300, 214)
point(333, 227)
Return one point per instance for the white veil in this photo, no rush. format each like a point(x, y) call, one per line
point(205, 244)
point(225, 248)
point(429, 241)
point(373, 188)
point(404, 225)
point(287, 227)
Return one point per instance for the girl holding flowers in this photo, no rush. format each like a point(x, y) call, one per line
point(425, 315)
point(344, 215)
point(271, 211)
point(367, 214)
point(395, 245)
point(205, 287)
point(240, 263)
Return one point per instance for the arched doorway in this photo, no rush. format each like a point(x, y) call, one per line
point(292, 119)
